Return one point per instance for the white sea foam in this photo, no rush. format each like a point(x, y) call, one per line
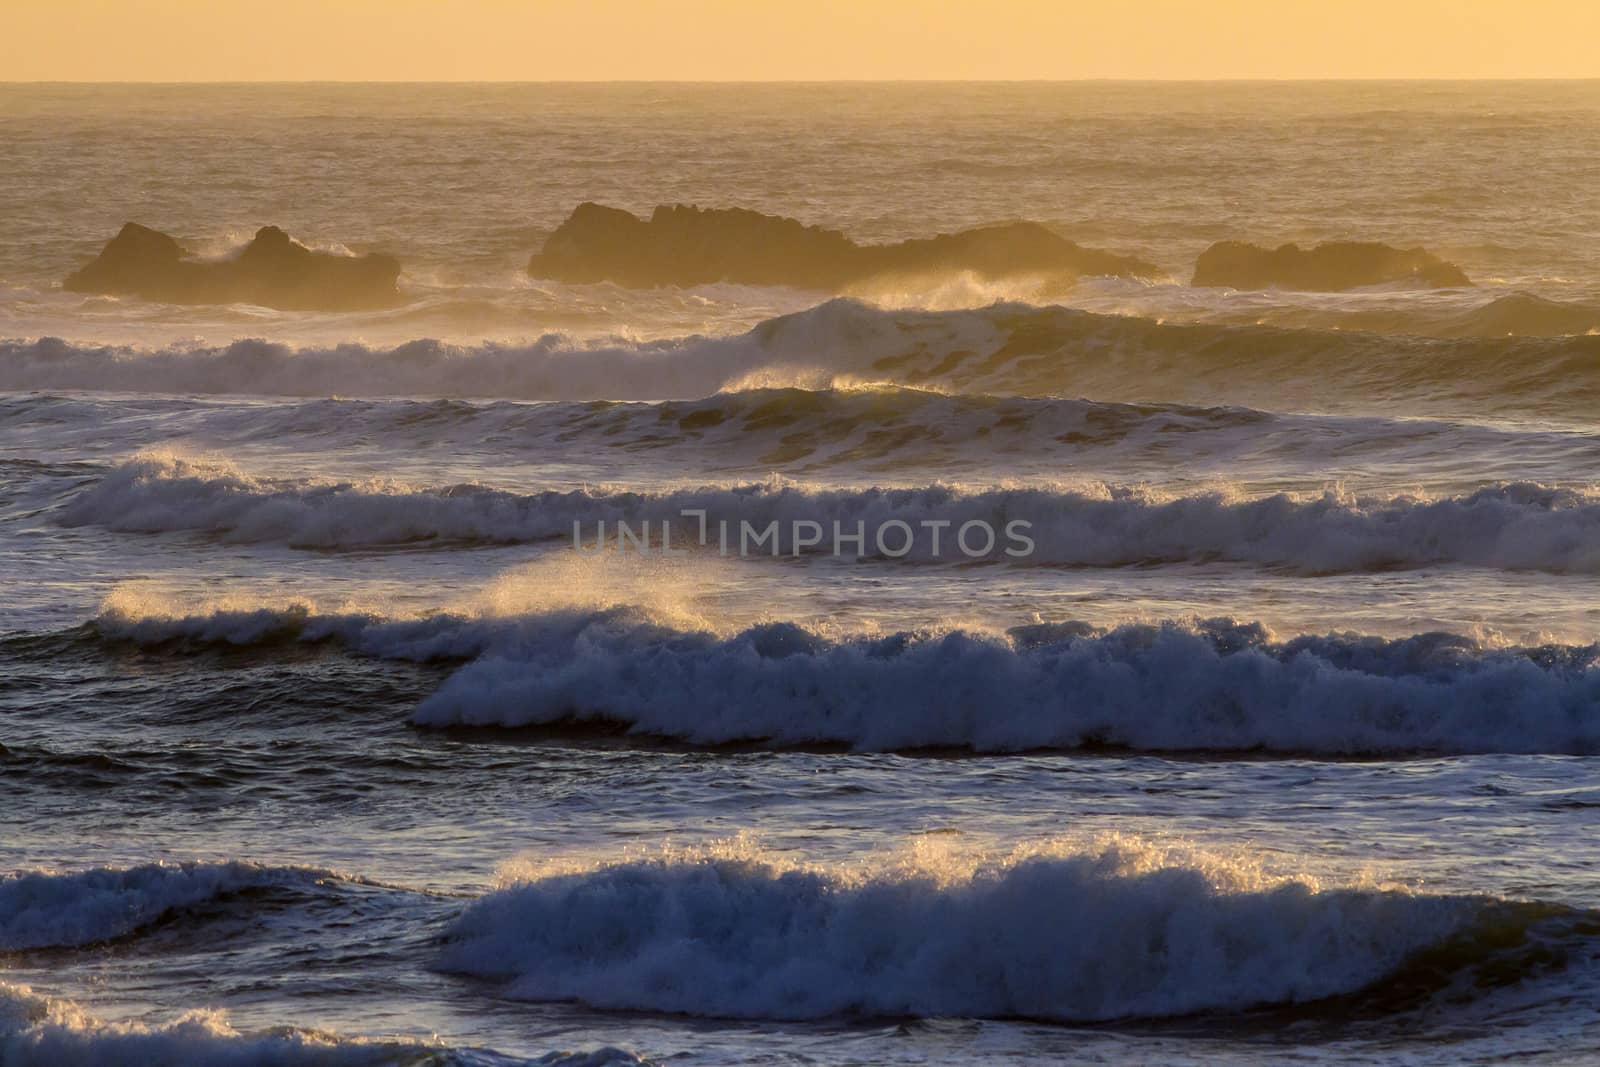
point(1218, 687)
point(41, 1031)
point(1515, 526)
point(560, 590)
point(48, 1032)
point(1202, 685)
point(1061, 930)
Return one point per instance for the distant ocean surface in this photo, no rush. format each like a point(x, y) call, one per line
point(321, 743)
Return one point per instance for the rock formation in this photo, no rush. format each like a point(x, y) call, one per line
point(272, 270)
point(1329, 267)
point(695, 246)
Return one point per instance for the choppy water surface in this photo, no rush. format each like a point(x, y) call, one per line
point(320, 743)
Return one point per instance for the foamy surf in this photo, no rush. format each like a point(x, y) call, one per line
point(44, 1031)
point(1064, 931)
point(1196, 686)
point(1513, 526)
point(42, 909)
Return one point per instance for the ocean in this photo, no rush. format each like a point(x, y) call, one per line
point(328, 736)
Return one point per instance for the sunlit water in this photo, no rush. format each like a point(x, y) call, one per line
point(1278, 747)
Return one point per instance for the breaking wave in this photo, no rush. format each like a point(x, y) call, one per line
point(41, 1031)
point(40, 909)
point(1124, 929)
point(1210, 686)
point(1516, 526)
point(1010, 349)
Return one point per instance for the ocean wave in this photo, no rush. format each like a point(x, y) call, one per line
point(1055, 930)
point(1006, 349)
point(442, 636)
point(1524, 315)
point(1216, 686)
point(844, 432)
point(1512, 315)
point(1515, 526)
point(1456, 314)
point(41, 1031)
point(1198, 686)
point(40, 909)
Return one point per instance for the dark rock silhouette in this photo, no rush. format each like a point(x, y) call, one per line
point(695, 246)
point(272, 270)
point(1330, 267)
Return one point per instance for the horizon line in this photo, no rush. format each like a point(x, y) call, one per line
point(1247, 79)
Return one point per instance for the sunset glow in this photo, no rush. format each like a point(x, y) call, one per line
point(721, 40)
point(848, 533)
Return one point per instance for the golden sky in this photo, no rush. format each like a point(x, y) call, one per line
point(549, 40)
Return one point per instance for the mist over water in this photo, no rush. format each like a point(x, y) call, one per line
point(323, 744)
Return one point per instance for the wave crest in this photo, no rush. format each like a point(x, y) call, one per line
point(1054, 930)
point(1208, 686)
point(1514, 526)
point(1005, 349)
point(41, 1031)
point(39, 909)
point(1215, 686)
